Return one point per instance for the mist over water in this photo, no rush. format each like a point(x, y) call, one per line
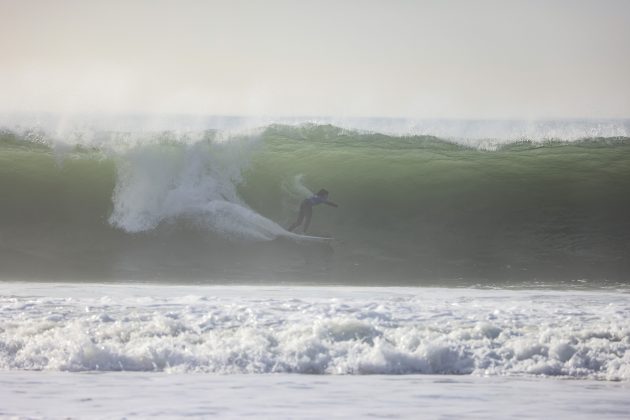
point(474, 132)
point(421, 202)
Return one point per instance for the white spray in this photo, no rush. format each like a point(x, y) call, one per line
point(192, 180)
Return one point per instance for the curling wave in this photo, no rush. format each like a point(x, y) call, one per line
point(413, 208)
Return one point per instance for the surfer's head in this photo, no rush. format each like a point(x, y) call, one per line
point(322, 193)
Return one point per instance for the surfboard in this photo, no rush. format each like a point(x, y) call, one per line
point(316, 238)
point(310, 238)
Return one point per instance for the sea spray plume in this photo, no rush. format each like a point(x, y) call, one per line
point(293, 192)
point(299, 188)
point(196, 180)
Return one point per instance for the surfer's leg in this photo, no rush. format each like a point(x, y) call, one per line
point(296, 224)
point(308, 214)
point(300, 219)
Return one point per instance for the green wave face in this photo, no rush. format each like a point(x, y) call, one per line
point(412, 210)
point(39, 186)
point(550, 209)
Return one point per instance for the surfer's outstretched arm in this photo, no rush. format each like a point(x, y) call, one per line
point(330, 203)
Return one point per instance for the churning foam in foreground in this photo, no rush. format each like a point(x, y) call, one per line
point(315, 330)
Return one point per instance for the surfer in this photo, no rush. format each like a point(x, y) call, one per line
point(306, 208)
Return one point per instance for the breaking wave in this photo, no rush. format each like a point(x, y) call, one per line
point(208, 204)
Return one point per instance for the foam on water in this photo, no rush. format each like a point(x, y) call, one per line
point(315, 330)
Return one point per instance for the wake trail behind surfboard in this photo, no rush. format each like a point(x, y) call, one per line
point(307, 238)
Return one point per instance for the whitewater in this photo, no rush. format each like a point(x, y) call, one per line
point(88, 350)
point(478, 268)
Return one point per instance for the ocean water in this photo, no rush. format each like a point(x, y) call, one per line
point(140, 395)
point(467, 258)
point(415, 209)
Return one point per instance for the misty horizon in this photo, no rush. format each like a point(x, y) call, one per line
point(423, 60)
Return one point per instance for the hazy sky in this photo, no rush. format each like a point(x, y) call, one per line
point(423, 59)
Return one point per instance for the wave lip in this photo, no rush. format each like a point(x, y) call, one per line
point(262, 330)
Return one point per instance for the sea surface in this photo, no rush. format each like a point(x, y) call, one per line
point(145, 268)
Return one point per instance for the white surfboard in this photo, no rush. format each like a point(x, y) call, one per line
point(308, 238)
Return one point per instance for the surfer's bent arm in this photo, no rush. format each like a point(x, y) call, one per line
point(330, 203)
